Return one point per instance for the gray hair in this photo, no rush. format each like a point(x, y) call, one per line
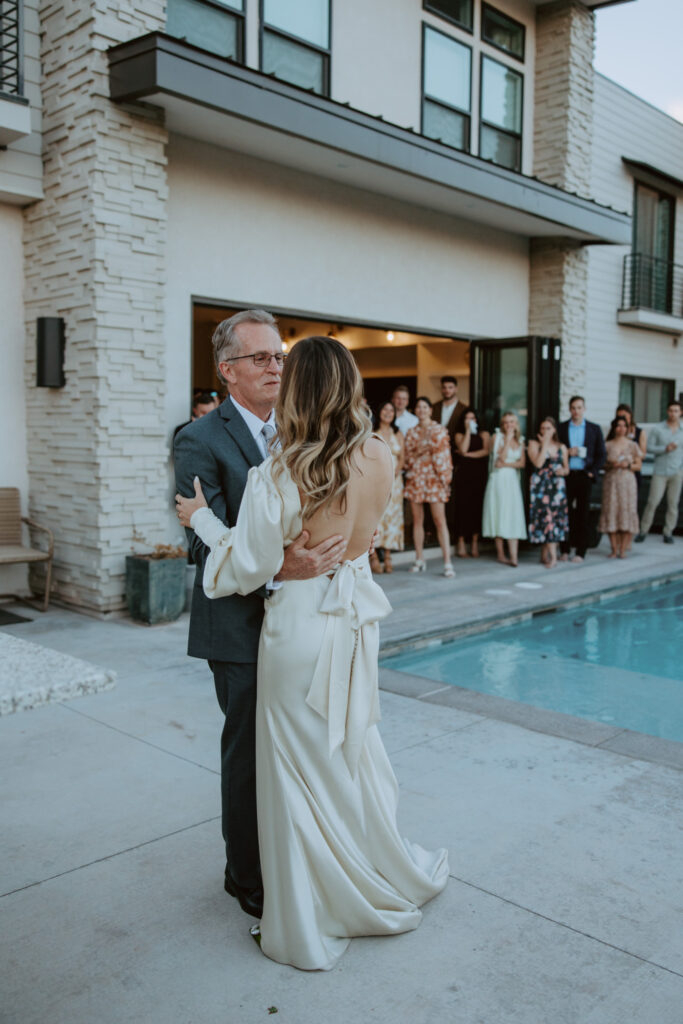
point(225, 341)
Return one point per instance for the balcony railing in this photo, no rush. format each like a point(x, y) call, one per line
point(651, 283)
point(11, 77)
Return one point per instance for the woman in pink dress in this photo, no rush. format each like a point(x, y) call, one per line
point(429, 471)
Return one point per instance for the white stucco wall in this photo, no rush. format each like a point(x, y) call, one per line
point(626, 126)
point(13, 458)
point(249, 232)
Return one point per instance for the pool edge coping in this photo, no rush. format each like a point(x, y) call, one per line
point(625, 742)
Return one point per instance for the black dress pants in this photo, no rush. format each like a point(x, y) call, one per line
point(236, 693)
point(579, 486)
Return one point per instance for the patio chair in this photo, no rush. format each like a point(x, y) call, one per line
point(12, 550)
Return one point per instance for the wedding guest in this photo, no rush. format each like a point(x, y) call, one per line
point(471, 463)
point(666, 443)
point(404, 418)
point(390, 529)
point(635, 433)
point(203, 402)
point(503, 516)
point(429, 471)
point(449, 412)
point(548, 511)
point(619, 513)
point(586, 447)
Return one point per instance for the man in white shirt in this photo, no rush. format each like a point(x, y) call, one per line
point(666, 444)
point(404, 419)
point(220, 448)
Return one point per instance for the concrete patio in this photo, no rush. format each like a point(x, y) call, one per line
point(564, 905)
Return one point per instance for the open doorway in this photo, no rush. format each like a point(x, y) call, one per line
point(386, 357)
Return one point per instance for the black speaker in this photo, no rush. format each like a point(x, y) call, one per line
point(50, 352)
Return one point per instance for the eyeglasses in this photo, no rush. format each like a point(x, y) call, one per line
point(262, 358)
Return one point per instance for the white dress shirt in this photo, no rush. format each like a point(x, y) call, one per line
point(447, 412)
point(405, 421)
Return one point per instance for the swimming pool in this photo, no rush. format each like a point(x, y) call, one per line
point(619, 662)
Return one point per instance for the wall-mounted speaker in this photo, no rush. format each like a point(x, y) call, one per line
point(50, 352)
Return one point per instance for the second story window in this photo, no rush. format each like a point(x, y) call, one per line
point(295, 43)
point(500, 131)
point(457, 11)
point(503, 32)
point(651, 263)
point(214, 25)
point(11, 79)
point(446, 93)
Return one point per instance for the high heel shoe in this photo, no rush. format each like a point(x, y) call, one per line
point(418, 566)
point(448, 571)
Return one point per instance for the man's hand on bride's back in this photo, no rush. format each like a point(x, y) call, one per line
point(186, 506)
point(302, 563)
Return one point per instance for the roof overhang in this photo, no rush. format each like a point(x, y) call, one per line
point(206, 97)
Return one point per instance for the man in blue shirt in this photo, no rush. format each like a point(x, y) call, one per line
point(587, 454)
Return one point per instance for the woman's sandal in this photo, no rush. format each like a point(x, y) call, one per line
point(417, 566)
point(448, 571)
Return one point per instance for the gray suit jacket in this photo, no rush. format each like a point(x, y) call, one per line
point(220, 450)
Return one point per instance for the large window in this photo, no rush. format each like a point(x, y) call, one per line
point(295, 42)
point(652, 261)
point(457, 11)
point(446, 89)
point(214, 25)
point(647, 396)
point(503, 32)
point(500, 130)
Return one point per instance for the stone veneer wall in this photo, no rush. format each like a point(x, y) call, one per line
point(94, 255)
point(563, 125)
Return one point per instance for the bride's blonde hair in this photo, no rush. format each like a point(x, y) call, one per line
point(321, 422)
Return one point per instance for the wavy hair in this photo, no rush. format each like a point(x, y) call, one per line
point(321, 421)
point(515, 417)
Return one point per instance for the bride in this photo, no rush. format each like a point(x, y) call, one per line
point(334, 865)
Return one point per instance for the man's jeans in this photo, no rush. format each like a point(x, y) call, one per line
point(659, 485)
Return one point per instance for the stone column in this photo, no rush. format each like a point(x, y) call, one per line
point(94, 255)
point(563, 120)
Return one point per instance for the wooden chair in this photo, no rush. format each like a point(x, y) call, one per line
point(12, 550)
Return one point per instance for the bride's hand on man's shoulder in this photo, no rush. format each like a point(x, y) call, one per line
point(186, 506)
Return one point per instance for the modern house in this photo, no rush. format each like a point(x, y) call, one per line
point(445, 185)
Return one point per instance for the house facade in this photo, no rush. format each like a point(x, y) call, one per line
point(443, 185)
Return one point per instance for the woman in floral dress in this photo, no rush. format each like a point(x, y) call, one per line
point(548, 510)
point(429, 471)
point(619, 512)
point(390, 529)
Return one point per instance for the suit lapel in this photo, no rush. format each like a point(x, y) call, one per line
point(240, 433)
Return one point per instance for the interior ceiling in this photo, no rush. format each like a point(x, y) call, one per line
point(294, 328)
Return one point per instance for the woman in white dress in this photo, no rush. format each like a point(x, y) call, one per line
point(503, 516)
point(334, 865)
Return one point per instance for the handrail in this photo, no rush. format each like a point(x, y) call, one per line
point(652, 283)
point(11, 48)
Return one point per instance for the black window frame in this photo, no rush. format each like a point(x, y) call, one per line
point(489, 124)
point(326, 53)
point(496, 46)
point(442, 103)
point(663, 194)
point(633, 377)
point(426, 6)
point(240, 19)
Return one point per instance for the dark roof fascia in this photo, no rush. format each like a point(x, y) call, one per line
point(156, 63)
point(650, 175)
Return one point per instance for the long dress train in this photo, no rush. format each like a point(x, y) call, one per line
point(333, 863)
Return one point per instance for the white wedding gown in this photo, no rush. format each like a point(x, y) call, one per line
point(333, 863)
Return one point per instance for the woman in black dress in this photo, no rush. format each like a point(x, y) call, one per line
point(471, 457)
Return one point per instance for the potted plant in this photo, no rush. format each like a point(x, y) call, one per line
point(155, 583)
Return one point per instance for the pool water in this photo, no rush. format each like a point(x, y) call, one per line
point(619, 662)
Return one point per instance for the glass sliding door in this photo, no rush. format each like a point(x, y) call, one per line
point(520, 375)
point(652, 244)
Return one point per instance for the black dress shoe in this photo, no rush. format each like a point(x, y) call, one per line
point(668, 539)
point(639, 538)
point(250, 900)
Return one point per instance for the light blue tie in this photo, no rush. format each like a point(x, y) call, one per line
point(268, 431)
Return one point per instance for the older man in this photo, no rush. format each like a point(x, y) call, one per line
point(220, 448)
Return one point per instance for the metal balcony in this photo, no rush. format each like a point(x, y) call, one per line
point(11, 77)
point(652, 294)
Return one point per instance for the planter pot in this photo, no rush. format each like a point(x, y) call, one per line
point(155, 588)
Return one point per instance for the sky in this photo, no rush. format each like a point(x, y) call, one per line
point(640, 45)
